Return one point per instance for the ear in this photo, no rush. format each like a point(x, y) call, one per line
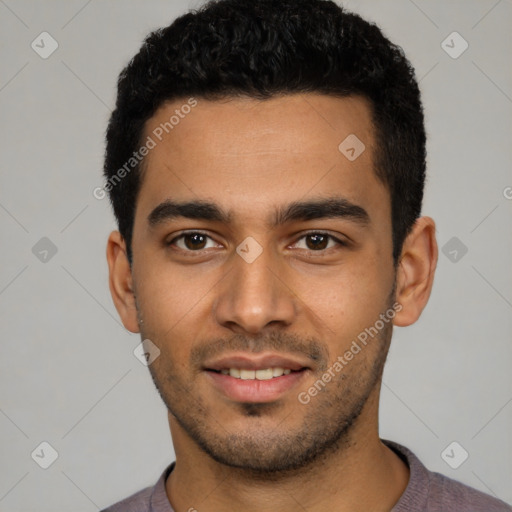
point(120, 281)
point(415, 273)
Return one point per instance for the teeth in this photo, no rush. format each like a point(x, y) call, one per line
point(266, 374)
point(247, 374)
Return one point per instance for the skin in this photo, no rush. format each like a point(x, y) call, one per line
point(302, 296)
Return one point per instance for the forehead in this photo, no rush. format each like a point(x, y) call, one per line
point(245, 153)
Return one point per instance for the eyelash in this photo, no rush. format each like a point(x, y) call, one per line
point(339, 242)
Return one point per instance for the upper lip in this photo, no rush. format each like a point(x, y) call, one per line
point(253, 361)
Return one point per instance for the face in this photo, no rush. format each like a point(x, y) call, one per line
point(261, 253)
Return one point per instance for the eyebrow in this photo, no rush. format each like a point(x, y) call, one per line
point(324, 208)
point(198, 210)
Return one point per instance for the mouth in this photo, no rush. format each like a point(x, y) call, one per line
point(250, 378)
point(265, 374)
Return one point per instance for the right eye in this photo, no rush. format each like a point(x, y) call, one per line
point(192, 241)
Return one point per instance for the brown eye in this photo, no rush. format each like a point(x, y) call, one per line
point(317, 241)
point(192, 242)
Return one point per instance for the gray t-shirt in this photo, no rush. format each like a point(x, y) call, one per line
point(426, 492)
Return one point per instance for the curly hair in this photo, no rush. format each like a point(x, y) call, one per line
point(264, 48)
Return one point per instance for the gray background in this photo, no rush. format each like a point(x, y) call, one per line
point(68, 375)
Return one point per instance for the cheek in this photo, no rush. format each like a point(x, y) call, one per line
point(168, 295)
point(346, 300)
point(175, 306)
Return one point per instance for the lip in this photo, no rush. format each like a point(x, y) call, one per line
point(255, 391)
point(256, 362)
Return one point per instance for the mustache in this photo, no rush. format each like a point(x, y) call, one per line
point(275, 341)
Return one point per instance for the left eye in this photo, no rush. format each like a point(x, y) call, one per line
point(192, 241)
point(319, 241)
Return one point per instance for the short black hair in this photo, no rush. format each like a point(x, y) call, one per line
point(261, 49)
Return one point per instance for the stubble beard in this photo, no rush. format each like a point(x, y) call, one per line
point(325, 429)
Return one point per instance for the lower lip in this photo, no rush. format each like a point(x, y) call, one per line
point(255, 391)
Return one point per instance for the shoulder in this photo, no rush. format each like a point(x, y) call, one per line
point(138, 502)
point(428, 491)
point(150, 499)
point(446, 492)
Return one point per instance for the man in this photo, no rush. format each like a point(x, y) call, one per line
point(266, 162)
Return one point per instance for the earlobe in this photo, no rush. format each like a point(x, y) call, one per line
point(415, 274)
point(121, 282)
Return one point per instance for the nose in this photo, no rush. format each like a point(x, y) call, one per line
point(255, 296)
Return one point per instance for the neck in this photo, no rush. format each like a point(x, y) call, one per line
point(361, 473)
